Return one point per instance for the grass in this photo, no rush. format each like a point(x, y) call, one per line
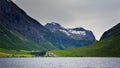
point(15, 53)
point(4, 54)
point(109, 47)
point(13, 40)
point(14, 44)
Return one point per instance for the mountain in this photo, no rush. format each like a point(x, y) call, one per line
point(108, 46)
point(113, 31)
point(75, 33)
point(74, 37)
point(15, 19)
point(20, 33)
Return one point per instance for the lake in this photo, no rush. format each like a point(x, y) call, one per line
point(60, 62)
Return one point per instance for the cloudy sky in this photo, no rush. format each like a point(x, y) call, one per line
point(95, 15)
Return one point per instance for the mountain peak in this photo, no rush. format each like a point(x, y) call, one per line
point(79, 29)
point(54, 23)
point(53, 26)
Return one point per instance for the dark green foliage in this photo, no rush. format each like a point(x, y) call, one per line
point(42, 53)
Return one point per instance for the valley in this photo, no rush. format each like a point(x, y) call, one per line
point(23, 36)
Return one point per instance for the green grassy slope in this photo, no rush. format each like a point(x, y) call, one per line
point(15, 53)
point(109, 47)
point(16, 41)
point(12, 40)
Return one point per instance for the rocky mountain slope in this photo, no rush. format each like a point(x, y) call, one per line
point(74, 36)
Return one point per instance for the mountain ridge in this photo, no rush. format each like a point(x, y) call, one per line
point(81, 32)
point(70, 37)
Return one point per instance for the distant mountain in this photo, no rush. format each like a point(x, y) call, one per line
point(108, 46)
point(75, 33)
point(71, 37)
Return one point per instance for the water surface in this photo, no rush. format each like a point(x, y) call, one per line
point(69, 62)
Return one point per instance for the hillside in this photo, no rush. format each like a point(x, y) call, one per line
point(107, 47)
point(12, 40)
point(16, 20)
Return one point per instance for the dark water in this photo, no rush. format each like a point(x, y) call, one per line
point(71, 62)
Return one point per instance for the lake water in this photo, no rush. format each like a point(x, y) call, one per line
point(69, 62)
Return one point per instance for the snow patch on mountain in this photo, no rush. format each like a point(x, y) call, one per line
point(77, 32)
point(64, 31)
point(70, 32)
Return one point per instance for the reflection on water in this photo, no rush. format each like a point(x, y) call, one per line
point(69, 62)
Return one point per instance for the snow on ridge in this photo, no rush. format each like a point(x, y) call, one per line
point(78, 32)
point(64, 31)
point(70, 32)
